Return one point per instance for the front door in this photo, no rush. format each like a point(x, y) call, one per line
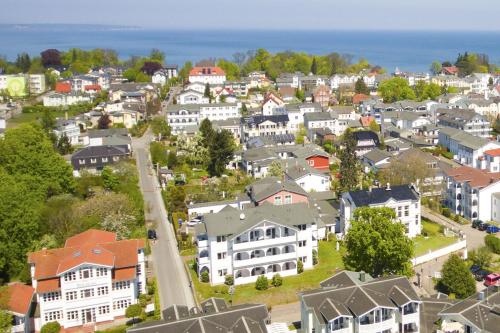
point(87, 316)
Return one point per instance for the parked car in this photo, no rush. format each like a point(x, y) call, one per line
point(476, 223)
point(194, 222)
point(492, 229)
point(483, 226)
point(492, 279)
point(152, 234)
point(481, 274)
point(474, 268)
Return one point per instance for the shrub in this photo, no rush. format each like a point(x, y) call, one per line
point(446, 212)
point(205, 277)
point(277, 280)
point(133, 311)
point(261, 283)
point(456, 218)
point(315, 257)
point(229, 280)
point(52, 327)
point(300, 266)
point(493, 243)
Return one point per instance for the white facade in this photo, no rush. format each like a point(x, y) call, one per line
point(314, 182)
point(192, 97)
point(71, 129)
point(37, 83)
point(56, 99)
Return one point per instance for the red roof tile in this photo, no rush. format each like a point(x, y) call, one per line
point(95, 87)
point(124, 274)
point(44, 286)
point(475, 177)
point(358, 98)
point(366, 120)
point(19, 297)
point(92, 236)
point(493, 152)
point(203, 71)
point(63, 87)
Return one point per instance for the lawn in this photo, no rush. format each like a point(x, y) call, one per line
point(34, 116)
point(330, 261)
point(434, 240)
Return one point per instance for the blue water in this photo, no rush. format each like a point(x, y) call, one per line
point(412, 51)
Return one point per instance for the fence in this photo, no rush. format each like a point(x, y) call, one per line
point(461, 244)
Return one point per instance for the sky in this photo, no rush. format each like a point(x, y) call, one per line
point(261, 14)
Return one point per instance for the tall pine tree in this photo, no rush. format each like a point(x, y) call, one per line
point(349, 165)
point(314, 66)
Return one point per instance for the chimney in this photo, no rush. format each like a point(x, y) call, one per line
point(388, 187)
point(362, 276)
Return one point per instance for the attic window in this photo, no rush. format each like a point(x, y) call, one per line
point(77, 254)
point(96, 251)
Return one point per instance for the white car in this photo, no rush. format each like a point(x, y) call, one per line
point(194, 222)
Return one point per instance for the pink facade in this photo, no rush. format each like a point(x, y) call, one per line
point(284, 198)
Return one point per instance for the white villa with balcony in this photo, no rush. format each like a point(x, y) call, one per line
point(93, 279)
point(264, 240)
point(351, 302)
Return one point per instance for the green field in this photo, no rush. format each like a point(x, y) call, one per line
point(434, 240)
point(23, 118)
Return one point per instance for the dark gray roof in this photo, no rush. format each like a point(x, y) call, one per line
point(101, 133)
point(376, 155)
point(100, 151)
point(366, 135)
point(266, 187)
point(381, 195)
point(256, 120)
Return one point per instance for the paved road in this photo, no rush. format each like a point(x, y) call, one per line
point(474, 237)
point(169, 269)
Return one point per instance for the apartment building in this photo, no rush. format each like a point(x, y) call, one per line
point(352, 302)
point(404, 199)
point(210, 75)
point(92, 279)
point(465, 120)
point(263, 240)
point(469, 192)
point(180, 117)
point(264, 126)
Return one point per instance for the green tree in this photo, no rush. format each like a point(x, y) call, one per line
point(207, 132)
point(456, 278)
point(360, 87)
point(160, 127)
point(262, 283)
point(396, 89)
point(275, 169)
point(5, 321)
point(23, 62)
point(207, 92)
point(51, 327)
point(109, 179)
point(157, 55)
point(493, 243)
point(175, 199)
point(104, 122)
point(159, 153)
point(133, 311)
point(377, 244)
point(231, 69)
point(184, 72)
point(436, 67)
point(220, 151)
point(205, 278)
point(349, 164)
point(374, 126)
point(314, 66)
point(481, 257)
point(48, 121)
point(64, 146)
point(229, 280)
point(300, 266)
point(277, 280)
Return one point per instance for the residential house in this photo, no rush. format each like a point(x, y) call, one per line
point(467, 149)
point(310, 178)
point(404, 199)
point(264, 240)
point(92, 279)
point(192, 97)
point(264, 126)
point(405, 119)
point(271, 104)
point(365, 141)
point(210, 75)
point(287, 93)
point(18, 301)
point(214, 315)
point(491, 160)
point(310, 82)
point(70, 128)
point(375, 159)
point(485, 107)
point(465, 120)
point(95, 158)
point(289, 79)
point(324, 120)
point(163, 75)
point(475, 314)
point(354, 302)
point(238, 88)
point(449, 70)
point(469, 192)
point(56, 99)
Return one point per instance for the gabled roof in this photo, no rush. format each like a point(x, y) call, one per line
point(206, 71)
point(378, 195)
point(475, 177)
point(18, 297)
point(91, 236)
point(99, 151)
point(376, 155)
point(266, 187)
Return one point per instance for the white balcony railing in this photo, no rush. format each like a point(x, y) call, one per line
point(278, 241)
point(265, 260)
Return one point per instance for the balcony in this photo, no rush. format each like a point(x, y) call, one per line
point(264, 260)
point(263, 243)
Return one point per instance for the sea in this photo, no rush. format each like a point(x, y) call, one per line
point(405, 50)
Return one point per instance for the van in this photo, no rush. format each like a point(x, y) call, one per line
point(492, 279)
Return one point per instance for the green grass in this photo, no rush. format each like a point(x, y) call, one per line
point(330, 261)
point(23, 118)
point(434, 240)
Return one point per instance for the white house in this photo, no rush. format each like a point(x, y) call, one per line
point(69, 128)
point(271, 103)
point(404, 199)
point(56, 99)
point(163, 75)
point(354, 302)
point(192, 97)
point(93, 279)
point(308, 177)
point(264, 240)
point(210, 75)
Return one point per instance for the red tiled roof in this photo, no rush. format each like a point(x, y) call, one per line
point(18, 297)
point(493, 152)
point(124, 274)
point(203, 71)
point(93, 247)
point(475, 177)
point(95, 87)
point(63, 87)
point(450, 69)
point(366, 120)
point(44, 286)
point(358, 98)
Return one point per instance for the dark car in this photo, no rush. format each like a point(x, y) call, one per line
point(483, 226)
point(474, 268)
point(492, 229)
point(476, 223)
point(481, 274)
point(152, 234)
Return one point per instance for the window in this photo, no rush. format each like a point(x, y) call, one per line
point(104, 159)
point(81, 161)
point(71, 295)
point(72, 315)
point(221, 239)
point(121, 304)
point(101, 271)
point(302, 243)
point(121, 285)
point(288, 199)
point(221, 255)
point(138, 269)
point(103, 309)
point(303, 259)
point(53, 315)
point(85, 273)
point(222, 272)
point(407, 210)
point(52, 296)
point(116, 158)
point(102, 291)
point(286, 232)
point(70, 276)
point(277, 200)
point(87, 293)
point(302, 226)
point(93, 160)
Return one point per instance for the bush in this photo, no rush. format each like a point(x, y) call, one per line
point(446, 212)
point(277, 280)
point(205, 277)
point(456, 218)
point(493, 243)
point(300, 266)
point(315, 257)
point(52, 327)
point(229, 280)
point(261, 283)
